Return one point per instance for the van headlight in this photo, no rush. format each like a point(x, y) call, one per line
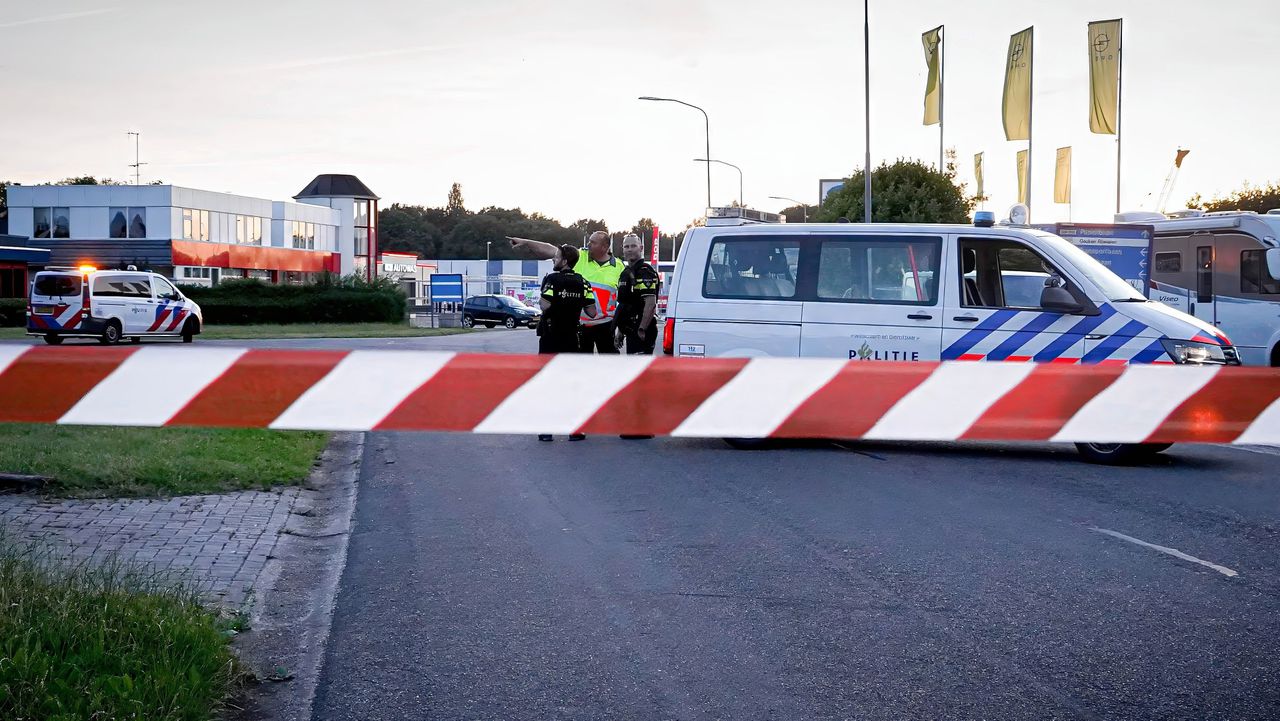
point(1190, 352)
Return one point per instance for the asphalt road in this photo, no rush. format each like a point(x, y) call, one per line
point(501, 578)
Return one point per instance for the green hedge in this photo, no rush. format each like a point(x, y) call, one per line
point(13, 312)
point(327, 300)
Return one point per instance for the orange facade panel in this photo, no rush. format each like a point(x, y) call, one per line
point(227, 255)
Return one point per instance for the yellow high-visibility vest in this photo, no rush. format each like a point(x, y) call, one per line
point(603, 278)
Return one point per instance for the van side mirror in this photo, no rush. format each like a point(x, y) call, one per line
point(1273, 262)
point(1059, 299)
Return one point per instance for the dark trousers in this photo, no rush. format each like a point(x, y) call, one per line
point(554, 342)
point(597, 338)
point(642, 342)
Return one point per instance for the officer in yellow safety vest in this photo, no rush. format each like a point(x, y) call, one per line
point(601, 269)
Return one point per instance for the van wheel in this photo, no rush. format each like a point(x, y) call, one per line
point(1120, 454)
point(189, 331)
point(52, 339)
point(110, 334)
point(468, 321)
point(509, 322)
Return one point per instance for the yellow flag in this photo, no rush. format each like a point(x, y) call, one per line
point(1062, 177)
point(1104, 76)
point(1022, 177)
point(977, 172)
point(1016, 104)
point(932, 41)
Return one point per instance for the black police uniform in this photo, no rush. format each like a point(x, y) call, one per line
point(568, 293)
point(637, 281)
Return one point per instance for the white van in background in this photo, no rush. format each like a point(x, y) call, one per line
point(108, 305)
point(1223, 268)
point(919, 293)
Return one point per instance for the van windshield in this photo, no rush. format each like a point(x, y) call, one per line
point(51, 284)
point(1112, 286)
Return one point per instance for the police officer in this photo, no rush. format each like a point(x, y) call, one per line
point(601, 269)
point(565, 295)
point(637, 299)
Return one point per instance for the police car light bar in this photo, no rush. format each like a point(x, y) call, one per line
point(743, 215)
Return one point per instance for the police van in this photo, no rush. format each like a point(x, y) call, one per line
point(916, 292)
point(108, 305)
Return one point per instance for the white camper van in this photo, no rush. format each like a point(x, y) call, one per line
point(1223, 268)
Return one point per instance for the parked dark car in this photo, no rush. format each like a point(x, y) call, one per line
point(492, 310)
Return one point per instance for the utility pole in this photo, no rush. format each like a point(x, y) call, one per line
point(137, 162)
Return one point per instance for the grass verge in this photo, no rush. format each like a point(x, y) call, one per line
point(100, 461)
point(106, 642)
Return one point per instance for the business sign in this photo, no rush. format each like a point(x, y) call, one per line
point(656, 240)
point(1124, 249)
point(446, 288)
point(827, 186)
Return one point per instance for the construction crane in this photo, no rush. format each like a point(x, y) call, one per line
point(1170, 179)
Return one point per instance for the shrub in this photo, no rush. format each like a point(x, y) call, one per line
point(329, 299)
point(13, 312)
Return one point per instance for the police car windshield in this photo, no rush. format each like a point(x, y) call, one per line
point(1112, 285)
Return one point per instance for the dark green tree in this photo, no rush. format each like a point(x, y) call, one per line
point(798, 213)
point(1259, 198)
point(454, 206)
point(906, 192)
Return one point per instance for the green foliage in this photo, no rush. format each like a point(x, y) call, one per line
point(116, 462)
point(906, 192)
point(1259, 199)
point(13, 312)
point(454, 206)
point(329, 299)
point(89, 180)
point(798, 213)
point(106, 642)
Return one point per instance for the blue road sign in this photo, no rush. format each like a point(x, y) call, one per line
point(446, 288)
point(1124, 249)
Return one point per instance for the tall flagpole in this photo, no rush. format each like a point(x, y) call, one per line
point(1119, 102)
point(866, 64)
point(1031, 104)
point(942, 97)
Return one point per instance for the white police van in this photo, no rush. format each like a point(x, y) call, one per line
point(919, 293)
point(108, 305)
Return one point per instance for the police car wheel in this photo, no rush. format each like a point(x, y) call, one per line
point(188, 331)
point(509, 322)
point(110, 334)
point(468, 321)
point(52, 339)
point(1118, 454)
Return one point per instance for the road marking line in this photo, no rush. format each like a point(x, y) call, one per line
point(1165, 549)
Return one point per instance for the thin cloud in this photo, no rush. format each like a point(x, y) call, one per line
point(56, 18)
point(336, 59)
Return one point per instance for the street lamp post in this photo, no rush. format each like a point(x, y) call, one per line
point(707, 122)
point(803, 208)
point(731, 165)
point(487, 245)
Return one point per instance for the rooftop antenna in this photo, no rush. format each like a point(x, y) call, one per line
point(137, 164)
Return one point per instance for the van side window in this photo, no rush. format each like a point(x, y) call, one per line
point(1003, 274)
point(122, 286)
point(879, 270)
point(1169, 262)
point(1254, 277)
point(752, 268)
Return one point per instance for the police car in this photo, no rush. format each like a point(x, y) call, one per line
point(109, 305)
point(914, 292)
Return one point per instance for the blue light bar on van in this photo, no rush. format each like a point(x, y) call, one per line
point(984, 219)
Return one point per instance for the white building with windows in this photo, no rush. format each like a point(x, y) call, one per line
point(201, 236)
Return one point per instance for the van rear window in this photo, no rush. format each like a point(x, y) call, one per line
point(50, 284)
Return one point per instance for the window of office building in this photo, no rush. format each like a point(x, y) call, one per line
point(131, 223)
point(51, 222)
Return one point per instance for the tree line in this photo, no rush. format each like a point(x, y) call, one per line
point(453, 232)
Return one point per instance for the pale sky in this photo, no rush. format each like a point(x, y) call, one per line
point(532, 104)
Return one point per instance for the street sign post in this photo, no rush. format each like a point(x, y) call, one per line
point(1124, 249)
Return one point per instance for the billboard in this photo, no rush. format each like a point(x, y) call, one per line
point(446, 288)
point(827, 185)
point(1124, 249)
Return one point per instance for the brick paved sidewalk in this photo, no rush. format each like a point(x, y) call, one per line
point(223, 539)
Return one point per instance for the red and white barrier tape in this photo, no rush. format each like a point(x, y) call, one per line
point(805, 398)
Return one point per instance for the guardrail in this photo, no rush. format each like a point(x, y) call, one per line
point(766, 397)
